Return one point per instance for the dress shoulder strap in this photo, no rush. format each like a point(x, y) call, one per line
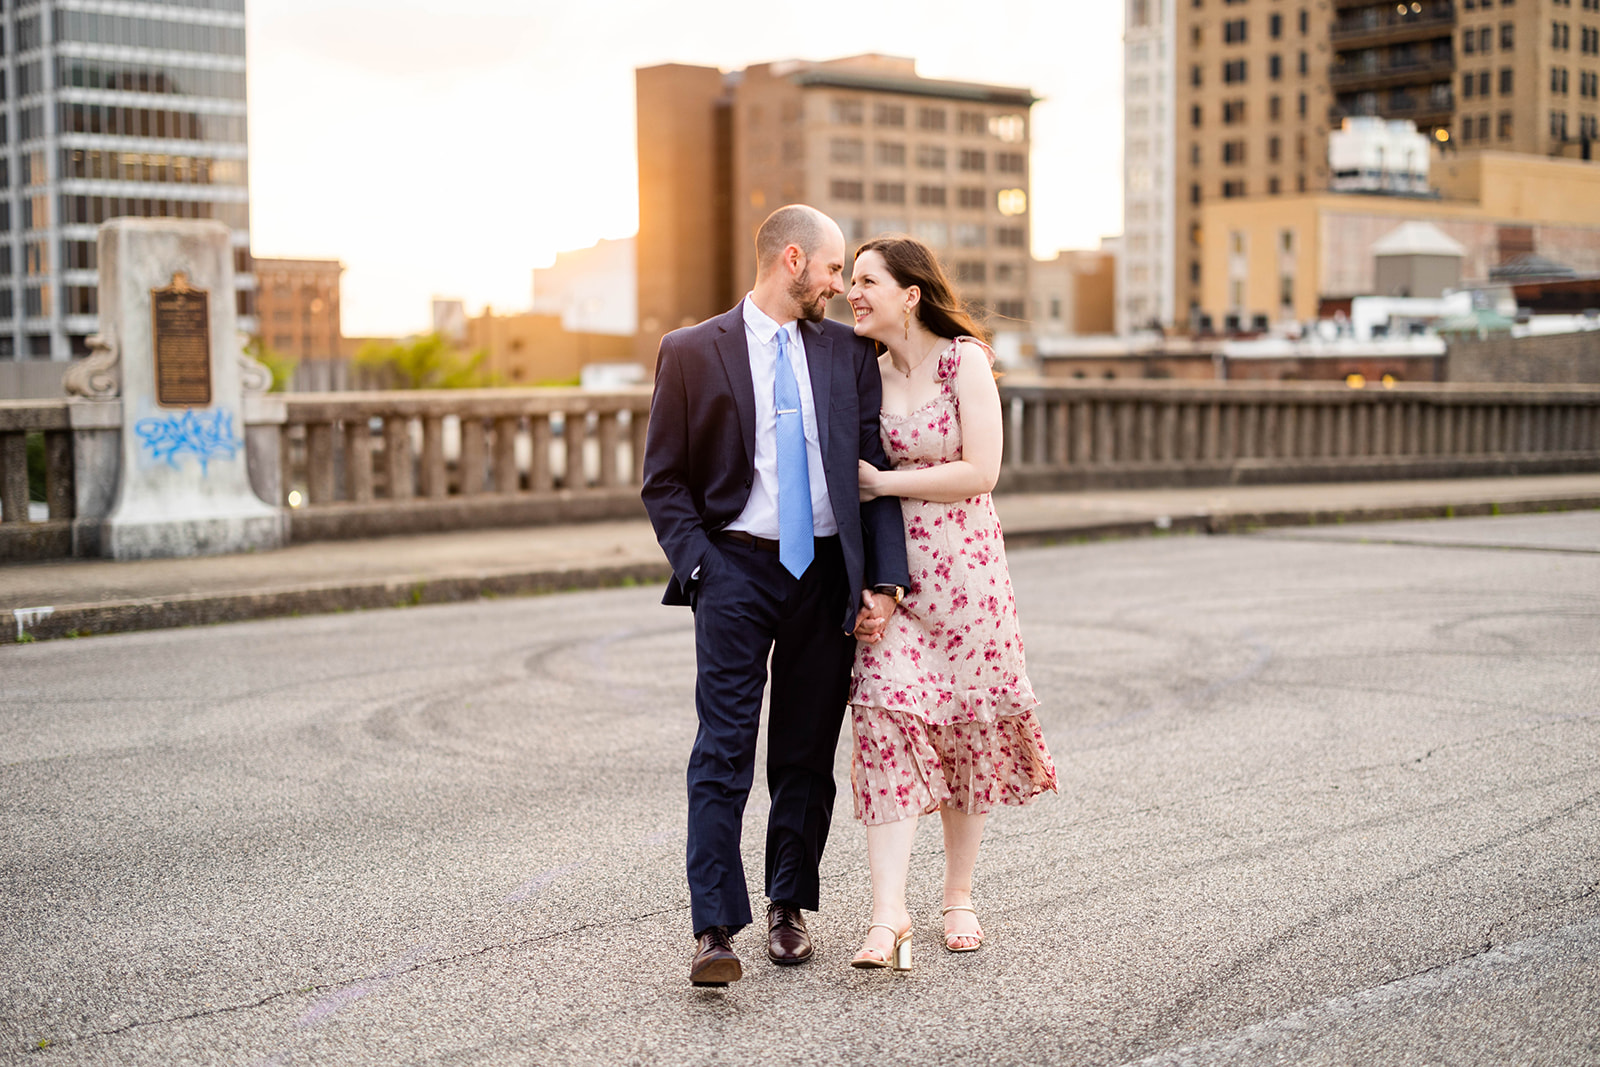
point(950, 359)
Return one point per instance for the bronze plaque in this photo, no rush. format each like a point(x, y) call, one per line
point(180, 333)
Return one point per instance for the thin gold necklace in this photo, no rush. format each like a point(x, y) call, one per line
point(936, 343)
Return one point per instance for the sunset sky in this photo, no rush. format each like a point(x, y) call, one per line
point(448, 148)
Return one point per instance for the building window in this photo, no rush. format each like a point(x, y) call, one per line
point(889, 114)
point(1468, 82)
point(1558, 125)
point(971, 159)
point(841, 189)
point(931, 156)
point(1275, 26)
point(1558, 79)
point(846, 150)
point(1011, 129)
point(1232, 112)
point(931, 195)
point(1010, 309)
point(1272, 186)
point(1274, 67)
point(1507, 31)
point(1274, 148)
point(936, 234)
point(1235, 31)
point(1234, 71)
point(1194, 154)
point(1195, 78)
point(1012, 201)
point(890, 153)
point(970, 197)
point(1305, 64)
point(1504, 130)
point(1232, 152)
point(1485, 39)
point(1505, 81)
point(846, 112)
point(1010, 162)
point(1302, 106)
point(971, 270)
point(889, 192)
point(1483, 127)
point(930, 118)
point(1231, 189)
point(1010, 236)
point(971, 234)
point(1483, 83)
point(1194, 116)
point(972, 122)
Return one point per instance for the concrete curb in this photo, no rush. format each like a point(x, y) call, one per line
point(123, 616)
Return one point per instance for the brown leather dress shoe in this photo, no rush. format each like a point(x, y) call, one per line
point(715, 963)
point(787, 939)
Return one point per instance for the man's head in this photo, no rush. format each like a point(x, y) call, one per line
point(799, 261)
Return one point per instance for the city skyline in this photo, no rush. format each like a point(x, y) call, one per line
point(450, 154)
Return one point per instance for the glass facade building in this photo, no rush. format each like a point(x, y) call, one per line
point(107, 109)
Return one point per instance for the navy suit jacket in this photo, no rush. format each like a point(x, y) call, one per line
point(700, 448)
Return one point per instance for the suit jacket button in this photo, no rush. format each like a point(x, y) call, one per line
point(747, 483)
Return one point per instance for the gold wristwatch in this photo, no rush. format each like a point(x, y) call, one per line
point(888, 589)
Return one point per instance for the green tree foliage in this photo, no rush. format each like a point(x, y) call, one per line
point(428, 362)
point(281, 366)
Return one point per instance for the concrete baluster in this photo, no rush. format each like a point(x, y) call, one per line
point(319, 463)
point(59, 489)
point(397, 457)
point(1060, 434)
point(574, 433)
point(1083, 433)
point(473, 464)
point(610, 435)
point(541, 478)
point(357, 459)
point(14, 477)
point(638, 427)
point(507, 479)
point(434, 485)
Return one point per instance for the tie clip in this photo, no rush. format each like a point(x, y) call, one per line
point(788, 411)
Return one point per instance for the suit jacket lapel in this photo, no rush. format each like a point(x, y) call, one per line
point(735, 353)
point(819, 361)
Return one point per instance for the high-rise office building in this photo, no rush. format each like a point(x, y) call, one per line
point(112, 110)
point(1250, 119)
point(865, 139)
point(1144, 289)
point(1259, 87)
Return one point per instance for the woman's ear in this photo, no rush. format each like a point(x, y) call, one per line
point(913, 297)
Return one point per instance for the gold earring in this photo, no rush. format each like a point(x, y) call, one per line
point(908, 324)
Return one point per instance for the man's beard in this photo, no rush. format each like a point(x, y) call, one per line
point(813, 307)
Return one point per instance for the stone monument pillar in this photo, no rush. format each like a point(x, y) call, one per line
point(167, 314)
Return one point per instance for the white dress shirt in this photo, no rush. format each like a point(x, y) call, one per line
point(760, 514)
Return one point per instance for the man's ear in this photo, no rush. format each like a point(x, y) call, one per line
point(794, 259)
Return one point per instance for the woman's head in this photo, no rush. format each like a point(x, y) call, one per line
point(894, 274)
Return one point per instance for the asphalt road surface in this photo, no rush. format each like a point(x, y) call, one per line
point(1330, 796)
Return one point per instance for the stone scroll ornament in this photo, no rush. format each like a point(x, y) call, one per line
point(100, 376)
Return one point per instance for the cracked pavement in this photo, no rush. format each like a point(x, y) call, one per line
point(1328, 796)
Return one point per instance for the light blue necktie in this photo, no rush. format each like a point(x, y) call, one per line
point(796, 534)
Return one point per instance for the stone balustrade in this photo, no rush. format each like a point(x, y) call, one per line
point(1139, 434)
point(367, 464)
point(363, 464)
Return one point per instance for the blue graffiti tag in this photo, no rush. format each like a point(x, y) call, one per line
point(207, 436)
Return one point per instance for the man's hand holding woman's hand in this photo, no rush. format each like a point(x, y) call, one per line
point(873, 617)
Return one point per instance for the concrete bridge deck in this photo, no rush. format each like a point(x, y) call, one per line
point(1331, 796)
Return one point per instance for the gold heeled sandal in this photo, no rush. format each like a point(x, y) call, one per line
point(976, 938)
point(899, 957)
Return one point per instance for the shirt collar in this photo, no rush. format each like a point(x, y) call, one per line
point(764, 326)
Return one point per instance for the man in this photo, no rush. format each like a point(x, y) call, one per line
point(759, 418)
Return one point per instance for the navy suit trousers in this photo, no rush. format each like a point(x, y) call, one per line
point(746, 606)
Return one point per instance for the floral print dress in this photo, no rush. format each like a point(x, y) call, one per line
point(942, 711)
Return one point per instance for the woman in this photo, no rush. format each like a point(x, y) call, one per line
point(941, 706)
